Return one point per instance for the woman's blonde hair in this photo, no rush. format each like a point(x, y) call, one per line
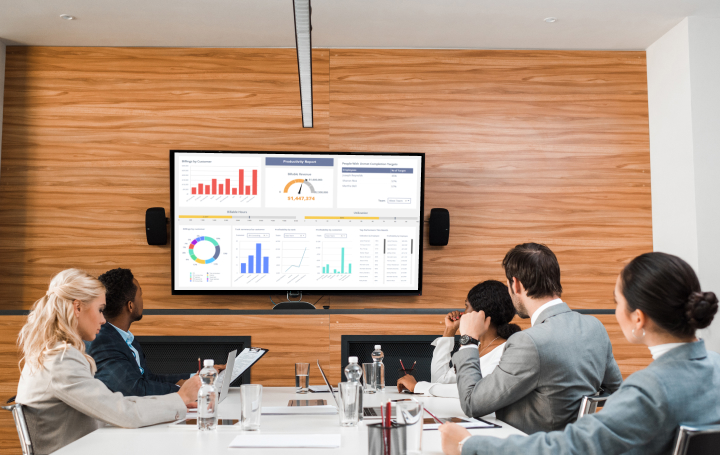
point(51, 325)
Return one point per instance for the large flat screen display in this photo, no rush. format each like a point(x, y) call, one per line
point(320, 223)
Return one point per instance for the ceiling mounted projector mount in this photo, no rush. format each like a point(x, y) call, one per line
point(303, 44)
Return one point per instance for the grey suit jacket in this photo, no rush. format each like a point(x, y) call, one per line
point(543, 373)
point(62, 402)
point(682, 387)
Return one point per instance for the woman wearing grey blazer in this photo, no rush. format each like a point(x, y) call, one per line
point(659, 304)
point(63, 401)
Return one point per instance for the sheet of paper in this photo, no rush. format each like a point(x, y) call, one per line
point(287, 440)
point(243, 361)
point(321, 389)
point(471, 423)
point(299, 410)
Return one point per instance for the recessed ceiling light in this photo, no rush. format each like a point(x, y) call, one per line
point(550, 19)
point(67, 17)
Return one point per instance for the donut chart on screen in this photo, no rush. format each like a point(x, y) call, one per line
point(191, 250)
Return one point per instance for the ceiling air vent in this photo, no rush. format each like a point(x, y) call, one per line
point(303, 43)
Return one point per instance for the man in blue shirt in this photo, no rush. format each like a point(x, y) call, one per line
point(119, 358)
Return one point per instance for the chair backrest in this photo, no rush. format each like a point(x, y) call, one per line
point(21, 426)
point(700, 440)
point(589, 403)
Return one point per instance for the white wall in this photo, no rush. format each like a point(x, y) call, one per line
point(684, 106)
point(671, 145)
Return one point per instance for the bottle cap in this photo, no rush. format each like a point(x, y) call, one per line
point(352, 359)
point(208, 362)
point(377, 346)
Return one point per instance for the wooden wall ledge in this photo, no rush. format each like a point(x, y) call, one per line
point(320, 312)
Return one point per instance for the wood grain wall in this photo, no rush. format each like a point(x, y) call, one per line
point(547, 146)
point(544, 146)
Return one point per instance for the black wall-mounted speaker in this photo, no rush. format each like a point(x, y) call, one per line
point(439, 227)
point(156, 226)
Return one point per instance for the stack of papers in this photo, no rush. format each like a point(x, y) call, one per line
point(286, 440)
point(299, 410)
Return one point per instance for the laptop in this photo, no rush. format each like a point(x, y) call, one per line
point(373, 412)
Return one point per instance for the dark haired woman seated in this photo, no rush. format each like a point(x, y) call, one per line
point(493, 298)
point(660, 305)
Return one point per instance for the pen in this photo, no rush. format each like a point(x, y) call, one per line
point(431, 415)
point(401, 364)
point(199, 367)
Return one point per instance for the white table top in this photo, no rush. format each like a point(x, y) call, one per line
point(161, 439)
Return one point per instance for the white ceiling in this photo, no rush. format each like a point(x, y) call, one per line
point(484, 24)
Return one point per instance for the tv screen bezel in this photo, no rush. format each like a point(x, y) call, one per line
point(304, 292)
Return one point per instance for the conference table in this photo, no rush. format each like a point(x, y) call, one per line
point(164, 439)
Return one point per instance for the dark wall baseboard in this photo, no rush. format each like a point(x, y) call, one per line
point(224, 312)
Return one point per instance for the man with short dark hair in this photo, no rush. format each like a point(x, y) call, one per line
point(119, 358)
point(545, 370)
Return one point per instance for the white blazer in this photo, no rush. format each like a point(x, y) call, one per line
point(64, 402)
point(443, 377)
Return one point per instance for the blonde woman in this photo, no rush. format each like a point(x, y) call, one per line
point(63, 400)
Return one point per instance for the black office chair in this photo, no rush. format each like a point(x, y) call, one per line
point(21, 426)
point(589, 403)
point(700, 440)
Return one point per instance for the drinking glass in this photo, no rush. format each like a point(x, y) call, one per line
point(410, 413)
point(349, 402)
point(302, 377)
point(251, 406)
point(369, 377)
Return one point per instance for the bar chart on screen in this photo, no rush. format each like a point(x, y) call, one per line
point(254, 255)
point(220, 181)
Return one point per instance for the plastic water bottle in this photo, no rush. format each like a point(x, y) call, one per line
point(378, 356)
point(207, 397)
point(353, 373)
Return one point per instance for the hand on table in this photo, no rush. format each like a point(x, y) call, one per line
point(452, 323)
point(406, 382)
point(450, 435)
point(220, 367)
point(191, 405)
point(474, 324)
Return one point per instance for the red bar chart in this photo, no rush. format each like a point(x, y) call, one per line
point(225, 188)
point(211, 180)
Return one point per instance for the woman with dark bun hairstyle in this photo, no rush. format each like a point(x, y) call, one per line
point(490, 296)
point(659, 304)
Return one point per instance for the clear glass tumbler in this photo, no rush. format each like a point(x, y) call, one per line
point(251, 406)
point(349, 402)
point(410, 413)
point(369, 378)
point(302, 377)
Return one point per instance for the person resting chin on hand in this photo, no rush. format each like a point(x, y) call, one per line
point(493, 299)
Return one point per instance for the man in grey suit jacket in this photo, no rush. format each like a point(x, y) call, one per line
point(545, 370)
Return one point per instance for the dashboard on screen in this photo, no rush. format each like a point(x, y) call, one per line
point(272, 222)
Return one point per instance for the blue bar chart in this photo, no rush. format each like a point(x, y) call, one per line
point(256, 263)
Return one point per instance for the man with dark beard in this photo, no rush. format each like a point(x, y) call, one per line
point(545, 370)
point(119, 358)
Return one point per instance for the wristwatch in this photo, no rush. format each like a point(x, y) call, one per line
point(467, 339)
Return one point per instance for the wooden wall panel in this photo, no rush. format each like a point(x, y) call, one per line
point(548, 146)
point(290, 339)
point(545, 146)
point(630, 357)
point(86, 140)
